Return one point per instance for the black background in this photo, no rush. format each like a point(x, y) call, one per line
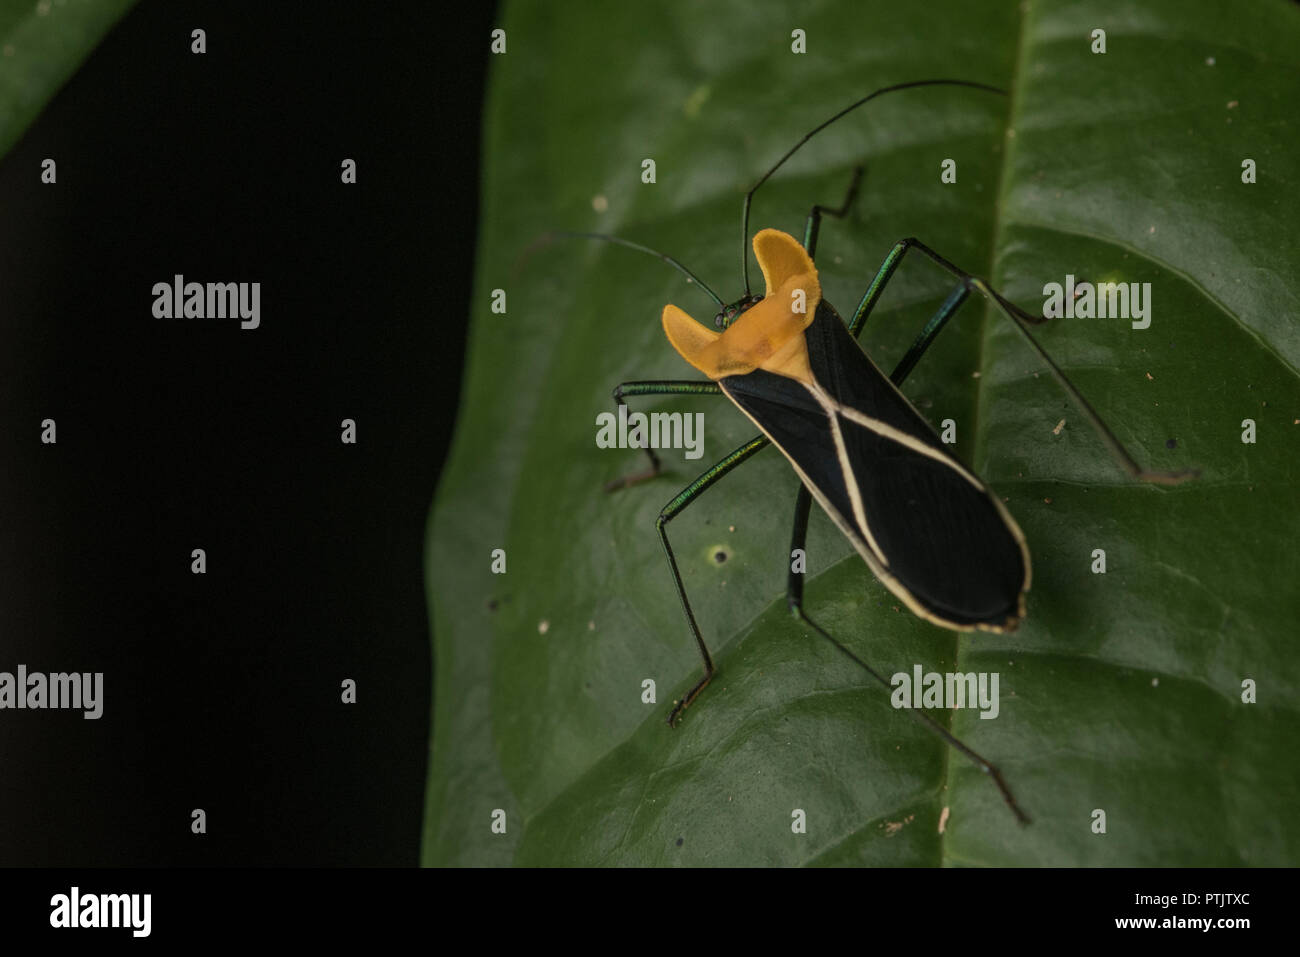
point(222, 691)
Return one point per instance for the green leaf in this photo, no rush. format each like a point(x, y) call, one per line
point(1122, 691)
point(42, 42)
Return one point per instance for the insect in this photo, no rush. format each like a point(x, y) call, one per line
point(927, 527)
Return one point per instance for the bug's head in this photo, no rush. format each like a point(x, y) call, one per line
point(770, 336)
point(730, 313)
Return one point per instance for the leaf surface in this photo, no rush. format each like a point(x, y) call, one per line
point(1122, 692)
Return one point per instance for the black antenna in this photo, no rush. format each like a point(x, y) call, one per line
point(604, 237)
point(744, 220)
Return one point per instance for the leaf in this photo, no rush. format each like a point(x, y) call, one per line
point(42, 42)
point(1122, 691)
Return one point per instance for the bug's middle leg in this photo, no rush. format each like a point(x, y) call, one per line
point(967, 284)
point(667, 514)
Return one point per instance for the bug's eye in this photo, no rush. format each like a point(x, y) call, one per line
point(719, 321)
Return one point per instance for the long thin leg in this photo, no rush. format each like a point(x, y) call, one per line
point(655, 387)
point(794, 584)
point(928, 334)
point(814, 224)
point(666, 387)
point(671, 511)
point(886, 272)
point(921, 716)
point(1018, 317)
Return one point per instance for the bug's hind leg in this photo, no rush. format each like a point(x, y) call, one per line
point(654, 387)
point(814, 224)
point(671, 511)
point(794, 599)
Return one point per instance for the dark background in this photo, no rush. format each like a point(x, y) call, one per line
point(222, 691)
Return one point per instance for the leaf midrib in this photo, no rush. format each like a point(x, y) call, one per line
point(1013, 95)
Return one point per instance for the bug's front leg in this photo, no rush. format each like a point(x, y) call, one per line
point(670, 511)
point(654, 387)
point(813, 226)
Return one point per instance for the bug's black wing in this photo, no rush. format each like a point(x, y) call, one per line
point(934, 534)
